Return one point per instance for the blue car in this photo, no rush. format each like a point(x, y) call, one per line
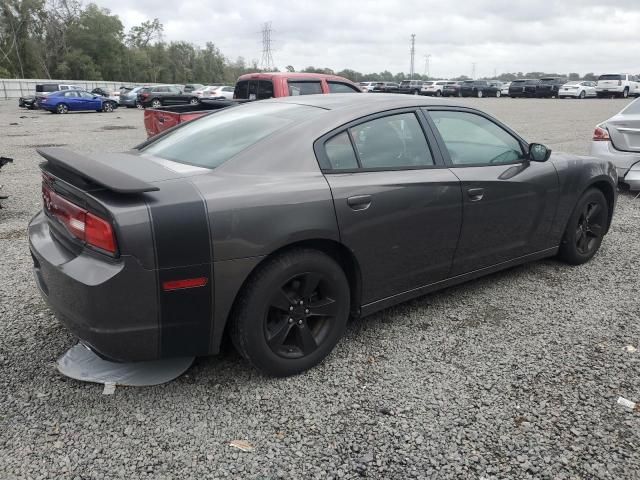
point(75, 101)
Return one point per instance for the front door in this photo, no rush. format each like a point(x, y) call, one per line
point(398, 207)
point(508, 202)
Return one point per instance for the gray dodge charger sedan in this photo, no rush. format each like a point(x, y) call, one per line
point(275, 221)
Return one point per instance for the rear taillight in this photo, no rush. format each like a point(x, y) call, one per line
point(80, 223)
point(601, 134)
point(145, 95)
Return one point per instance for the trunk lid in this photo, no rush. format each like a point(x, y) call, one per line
point(624, 131)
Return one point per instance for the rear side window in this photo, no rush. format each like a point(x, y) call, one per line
point(213, 139)
point(395, 141)
point(337, 87)
point(340, 152)
point(474, 140)
point(304, 88)
point(610, 77)
point(253, 90)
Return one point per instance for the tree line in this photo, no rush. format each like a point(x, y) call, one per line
point(67, 40)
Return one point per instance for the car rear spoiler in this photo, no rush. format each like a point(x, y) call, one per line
point(95, 170)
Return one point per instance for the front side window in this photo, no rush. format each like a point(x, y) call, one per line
point(337, 87)
point(474, 140)
point(395, 141)
point(86, 95)
point(70, 93)
point(212, 140)
point(304, 88)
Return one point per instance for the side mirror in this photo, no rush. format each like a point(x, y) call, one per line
point(539, 152)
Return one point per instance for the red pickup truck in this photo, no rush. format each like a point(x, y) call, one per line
point(253, 86)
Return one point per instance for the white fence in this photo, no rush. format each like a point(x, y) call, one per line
point(15, 88)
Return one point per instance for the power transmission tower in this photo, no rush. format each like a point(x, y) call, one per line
point(267, 63)
point(426, 65)
point(413, 54)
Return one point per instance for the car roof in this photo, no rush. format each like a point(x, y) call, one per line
point(348, 101)
point(293, 75)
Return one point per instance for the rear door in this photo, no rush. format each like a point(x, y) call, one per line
point(624, 128)
point(508, 202)
point(73, 100)
point(398, 206)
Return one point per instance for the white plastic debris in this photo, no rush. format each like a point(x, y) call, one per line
point(80, 363)
point(630, 349)
point(242, 445)
point(109, 389)
point(626, 403)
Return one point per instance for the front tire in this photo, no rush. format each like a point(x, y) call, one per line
point(498, 93)
point(156, 103)
point(585, 229)
point(62, 108)
point(291, 313)
point(479, 94)
point(107, 107)
point(625, 93)
point(194, 101)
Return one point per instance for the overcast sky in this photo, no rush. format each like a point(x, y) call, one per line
point(371, 36)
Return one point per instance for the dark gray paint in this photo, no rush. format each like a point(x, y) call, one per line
point(421, 230)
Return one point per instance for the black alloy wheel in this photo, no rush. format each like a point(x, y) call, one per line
point(586, 228)
point(292, 312)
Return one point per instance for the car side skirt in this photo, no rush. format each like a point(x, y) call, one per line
point(378, 305)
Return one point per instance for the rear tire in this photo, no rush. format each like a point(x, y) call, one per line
point(194, 101)
point(625, 93)
point(479, 94)
point(585, 229)
point(291, 313)
point(498, 93)
point(438, 93)
point(156, 103)
point(582, 95)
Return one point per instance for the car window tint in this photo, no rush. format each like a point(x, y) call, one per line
point(473, 140)
point(340, 152)
point(392, 142)
point(304, 88)
point(265, 89)
point(213, 139)
point(336, 87)
point(85, 95)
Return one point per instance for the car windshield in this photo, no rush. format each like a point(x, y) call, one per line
point(468, 82)
point(610, 77)
point(548, 80)
point(405, 82)
point(212, 140)
point(632, 109)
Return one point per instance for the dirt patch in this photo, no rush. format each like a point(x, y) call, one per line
point(118, 127)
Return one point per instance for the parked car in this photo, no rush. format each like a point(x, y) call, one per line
point(617, 85)
point(218, 91)
point(504, 89)
point(523, 88)
point(76, 100)
point(386, 87)
point(129, 99)
point(451, 89)
point(411, 87)
point(3, 162)
point(549, 87)
point(42, 90)
point(192, 87)
point(103, 92)
point(159, 95)
point(618, 141)
point(433, 88)
point(274, 221)
point(249, 87)
point(366, 86)
point(258, 86)
point(479, 88)
point(578, 89)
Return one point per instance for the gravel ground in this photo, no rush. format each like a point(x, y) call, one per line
point(512, 376)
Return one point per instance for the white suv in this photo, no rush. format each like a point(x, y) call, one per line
point(617, 84)
point(433, 88)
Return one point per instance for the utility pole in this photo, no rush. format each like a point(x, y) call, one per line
point(473, 70)
point(426, 65)
point(413, 54)
point(267, 63)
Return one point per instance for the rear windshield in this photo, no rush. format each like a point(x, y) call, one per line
point(632, 109)
point(212, 140)
point(253, 90)
point(531, 82)
point(548, 80)
point(610, 77)
point(518, 81)
point(468, 82)
point(47, 87)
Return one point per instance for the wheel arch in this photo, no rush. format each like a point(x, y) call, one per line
point(609, 193)
point(332, 248)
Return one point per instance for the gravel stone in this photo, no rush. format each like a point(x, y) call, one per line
point(512, 376)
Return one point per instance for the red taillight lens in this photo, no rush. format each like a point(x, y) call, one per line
point(601, 134)
point(81, 224)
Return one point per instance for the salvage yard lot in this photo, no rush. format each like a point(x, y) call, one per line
point(515, 375)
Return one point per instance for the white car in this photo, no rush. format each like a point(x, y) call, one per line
point(578, 89)
point(617, 84)
point(504, 89)
point(366, 86)
point(618, 140)
point(433, 88)
point(215, 91)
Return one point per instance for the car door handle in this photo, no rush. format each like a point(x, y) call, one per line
point(359, 202)
point(475, 194)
